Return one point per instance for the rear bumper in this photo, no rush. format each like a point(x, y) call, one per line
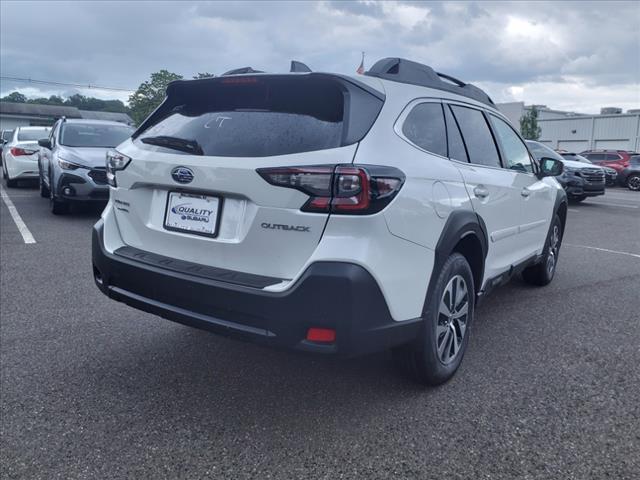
point(22, 168)
point(335, 295)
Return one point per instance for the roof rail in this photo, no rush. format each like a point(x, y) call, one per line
point(240, 71)
point(406, 71)
point(298, 67)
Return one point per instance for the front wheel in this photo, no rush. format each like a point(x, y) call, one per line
point(44, 190)
point(633, 182)
point(447, 317)
point(543, 272)
point(57, 207)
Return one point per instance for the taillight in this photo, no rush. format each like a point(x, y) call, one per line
point(345, 189)
point(17, 151)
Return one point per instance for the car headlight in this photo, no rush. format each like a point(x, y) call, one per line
point(67, 165)
point(115, 161)
point(571, 170)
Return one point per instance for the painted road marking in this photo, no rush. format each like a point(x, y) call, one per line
point(612, 204)
point(22, 227)
point(636, 255)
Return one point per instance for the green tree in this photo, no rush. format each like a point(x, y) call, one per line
point(529, 125)
point(150, 94)
point(16, 97)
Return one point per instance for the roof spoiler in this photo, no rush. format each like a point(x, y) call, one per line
point(406, 71)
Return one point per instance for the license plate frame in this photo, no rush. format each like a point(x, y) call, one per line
point(179, 194)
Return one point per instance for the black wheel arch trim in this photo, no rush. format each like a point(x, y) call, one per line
point(459, 225)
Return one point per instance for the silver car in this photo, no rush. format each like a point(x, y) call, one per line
point(72, 161)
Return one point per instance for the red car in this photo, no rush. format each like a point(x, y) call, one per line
point(616, 159)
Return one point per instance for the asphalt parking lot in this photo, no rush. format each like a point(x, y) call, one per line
point(549, 387)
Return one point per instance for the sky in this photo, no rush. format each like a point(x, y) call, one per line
point(577, 56)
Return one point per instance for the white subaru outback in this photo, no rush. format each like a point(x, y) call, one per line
point(328, 213)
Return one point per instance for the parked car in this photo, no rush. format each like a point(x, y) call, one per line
point(5, 136)
point(616, 159)
point(610, 174)
point(578, 180)
point(326, 213)
point(630, 176)
point(20, 155)
point(72, 161)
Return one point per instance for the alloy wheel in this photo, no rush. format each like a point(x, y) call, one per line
point(453, 316)
point(634, 183)
point(553, 250)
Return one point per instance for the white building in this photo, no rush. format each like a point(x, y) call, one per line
point(578, 132)
point(14, 115)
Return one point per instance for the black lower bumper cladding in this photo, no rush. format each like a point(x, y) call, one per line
point(335, 295)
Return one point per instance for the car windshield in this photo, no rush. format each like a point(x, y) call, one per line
point(32, 135)
point(540, 150)
point(94, 135)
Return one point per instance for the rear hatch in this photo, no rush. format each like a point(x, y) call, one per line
point(192, 190)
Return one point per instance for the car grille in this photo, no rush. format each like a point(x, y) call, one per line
point(592, 175)
point(99, 176)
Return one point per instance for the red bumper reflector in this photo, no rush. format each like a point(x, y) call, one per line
point(324, 335)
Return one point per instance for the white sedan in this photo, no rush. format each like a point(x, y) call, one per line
point(20, 154)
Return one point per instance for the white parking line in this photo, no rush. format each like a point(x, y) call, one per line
point(22, 227)
point(612, 204)
point(604, 250)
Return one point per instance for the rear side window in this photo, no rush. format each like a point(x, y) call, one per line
point(477, 136)
point(457, 150)
point(596, 157)
point(6, 135)
point(424, 126)
point(260, 116)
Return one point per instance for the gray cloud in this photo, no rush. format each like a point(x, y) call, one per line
point(498, 44)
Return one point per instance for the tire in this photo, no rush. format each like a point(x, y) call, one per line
point(576, 199)
point(57, 207)
point(434, 358)
point(542, 273)
point(633, 182)
point(8, 181)
point(44, 190)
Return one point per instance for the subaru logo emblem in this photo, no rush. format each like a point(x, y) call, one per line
point(182, 174)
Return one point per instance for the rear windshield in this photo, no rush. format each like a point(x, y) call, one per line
point(260, 116)
point(32, 135)
point(88, 135)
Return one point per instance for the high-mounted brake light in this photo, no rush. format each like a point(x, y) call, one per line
point(344, 189)
point(239, 80)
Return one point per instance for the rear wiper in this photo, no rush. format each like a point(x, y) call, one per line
point(175, 143)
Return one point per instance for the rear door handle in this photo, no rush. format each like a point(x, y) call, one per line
point(525, 192)
point(481, 191)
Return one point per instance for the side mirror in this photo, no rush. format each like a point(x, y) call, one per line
point(550, 167)
point(45, 142)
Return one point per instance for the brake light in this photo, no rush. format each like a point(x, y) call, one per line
point(17, 151)
point(321, 335)
point(345, 189)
